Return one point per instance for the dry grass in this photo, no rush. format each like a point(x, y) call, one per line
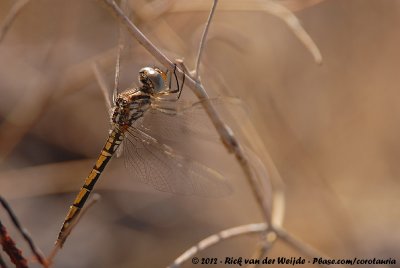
point(330, 129)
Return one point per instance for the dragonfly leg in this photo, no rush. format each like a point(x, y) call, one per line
point(179, 87)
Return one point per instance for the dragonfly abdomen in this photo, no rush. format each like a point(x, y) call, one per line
point(114, 140)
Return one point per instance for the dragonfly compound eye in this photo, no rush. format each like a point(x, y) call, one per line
point(152, 79)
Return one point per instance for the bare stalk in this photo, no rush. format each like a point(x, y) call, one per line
point(275, 8)
point(272, 233)
point(10, 248)
point(35, 250)
point(263, 247)
point(255, 228)
point(203, 39)
point(300, 246)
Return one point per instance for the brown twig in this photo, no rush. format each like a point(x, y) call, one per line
point(38, 254)
point(255, 228)
point(269, 238)
point(299, 245)
point(10, 248)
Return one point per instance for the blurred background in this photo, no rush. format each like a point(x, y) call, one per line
point(330, 129)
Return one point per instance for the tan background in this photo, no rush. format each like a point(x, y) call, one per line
point(332, 130)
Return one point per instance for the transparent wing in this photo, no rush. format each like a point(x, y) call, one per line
point(169, 121)
point(164, 169)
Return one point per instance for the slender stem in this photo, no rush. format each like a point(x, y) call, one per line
point(275, 8)
point(211, 240)
point(203, 39)
point(38, 254)
point(141, 38)
point(299, 245)
point(269, 238)
point(10, 248)
point(272, 233)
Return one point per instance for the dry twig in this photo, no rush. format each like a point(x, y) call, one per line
point(10, 248)
point(203, 40)
point(255, 228)
point(38, 254)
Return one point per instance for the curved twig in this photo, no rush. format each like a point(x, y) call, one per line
point(274, 8)
point(255, 228)
point(10, 248)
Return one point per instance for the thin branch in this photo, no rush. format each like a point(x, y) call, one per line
point(294, 24)
point(272, 234)
point(11, 16)
point(269, 238)
point(141, 38)
point(38, 254)
point(299, 245)
point(59, 243)
point(273, 7)
point(185, 69)
point(211, 240)
point(203, 39)
point(10, 248)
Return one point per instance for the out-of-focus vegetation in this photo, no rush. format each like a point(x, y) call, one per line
point(331, 130)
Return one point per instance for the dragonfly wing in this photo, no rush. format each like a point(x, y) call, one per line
point(164, 169)
point(171, 120)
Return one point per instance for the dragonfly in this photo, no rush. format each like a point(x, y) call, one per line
point(133, 133)
point(150, 160)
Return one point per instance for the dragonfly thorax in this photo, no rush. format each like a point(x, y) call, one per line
point(129, 106)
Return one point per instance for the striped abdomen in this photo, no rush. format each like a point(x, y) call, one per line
point(114, 140)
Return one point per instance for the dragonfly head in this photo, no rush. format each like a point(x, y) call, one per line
point(153, 80)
